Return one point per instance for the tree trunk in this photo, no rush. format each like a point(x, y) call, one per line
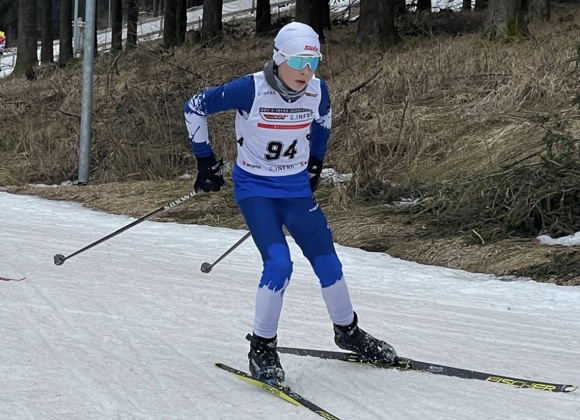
point(117, 25)
point(312, 13)
point(47, 49)
point(181, 21)
point(376, 24)
point(158, 7)
point(95, 37)
point(211, 25)
point(504, 19)
point(65, 51)
point(325, 8)
point(263, 17)
point(538, 9)
point(390, 34)
point(480, 5)
point(27, 53)
point(170, 24)
point(423, 5)
point(466, 6)
point(132, 19)
point(400, 7)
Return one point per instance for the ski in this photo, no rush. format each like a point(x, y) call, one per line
point(404, 364)
point(280, 391)
point(11, 279)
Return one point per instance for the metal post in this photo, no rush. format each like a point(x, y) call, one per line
point(76, 46)
point(87, 94)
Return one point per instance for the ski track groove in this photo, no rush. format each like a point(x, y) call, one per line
point(56, 355)
point(131, 329)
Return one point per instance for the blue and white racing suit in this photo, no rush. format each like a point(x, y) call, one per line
point(275, 138)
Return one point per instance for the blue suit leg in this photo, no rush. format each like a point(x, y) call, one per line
point(307, 224)
point(265, 223)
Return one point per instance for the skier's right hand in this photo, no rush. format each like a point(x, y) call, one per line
point(209, 175)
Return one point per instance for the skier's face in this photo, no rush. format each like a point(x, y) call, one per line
point(294, 79)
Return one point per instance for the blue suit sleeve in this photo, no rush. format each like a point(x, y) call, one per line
point(237, 94)
point(320, 132)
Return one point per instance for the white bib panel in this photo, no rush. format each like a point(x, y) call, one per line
point(273, 139)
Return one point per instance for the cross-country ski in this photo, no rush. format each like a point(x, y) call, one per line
point(405, 364)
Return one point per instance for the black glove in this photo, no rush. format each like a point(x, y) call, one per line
point(314, 170)
point(209, 175)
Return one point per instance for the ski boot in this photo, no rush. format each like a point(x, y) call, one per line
point(264, 360)
point(352, 338)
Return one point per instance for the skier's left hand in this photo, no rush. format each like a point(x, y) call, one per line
point(314, 170)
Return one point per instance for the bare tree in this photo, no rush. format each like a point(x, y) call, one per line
point(132, 19)
point(376, 24)
point(504, 19)
point(117, 25)
point(466, 5)
point(312, 13)
point(538, 9)
point(263, 17)
point(47, 47)
point(170, 24)
point(181, 21)
point(27, 53)
point(211, 25)
point(65, 51)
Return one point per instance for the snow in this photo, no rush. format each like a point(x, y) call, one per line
point(570, 240)
point(131, 328)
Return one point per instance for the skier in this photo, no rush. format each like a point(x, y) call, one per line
point(2, 43)
point(282, 125)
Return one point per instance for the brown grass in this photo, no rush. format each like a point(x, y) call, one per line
point(431, 110)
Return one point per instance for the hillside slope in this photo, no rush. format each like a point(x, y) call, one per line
point(442, 110)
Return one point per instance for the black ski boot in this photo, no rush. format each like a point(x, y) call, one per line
point(352, 338)
point(264, 361)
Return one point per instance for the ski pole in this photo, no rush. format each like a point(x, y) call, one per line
point(59, 259)
point(206, 267)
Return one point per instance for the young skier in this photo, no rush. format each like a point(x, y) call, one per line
point(282, 126)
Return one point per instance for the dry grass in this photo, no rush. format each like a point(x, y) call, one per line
point(431, 110)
